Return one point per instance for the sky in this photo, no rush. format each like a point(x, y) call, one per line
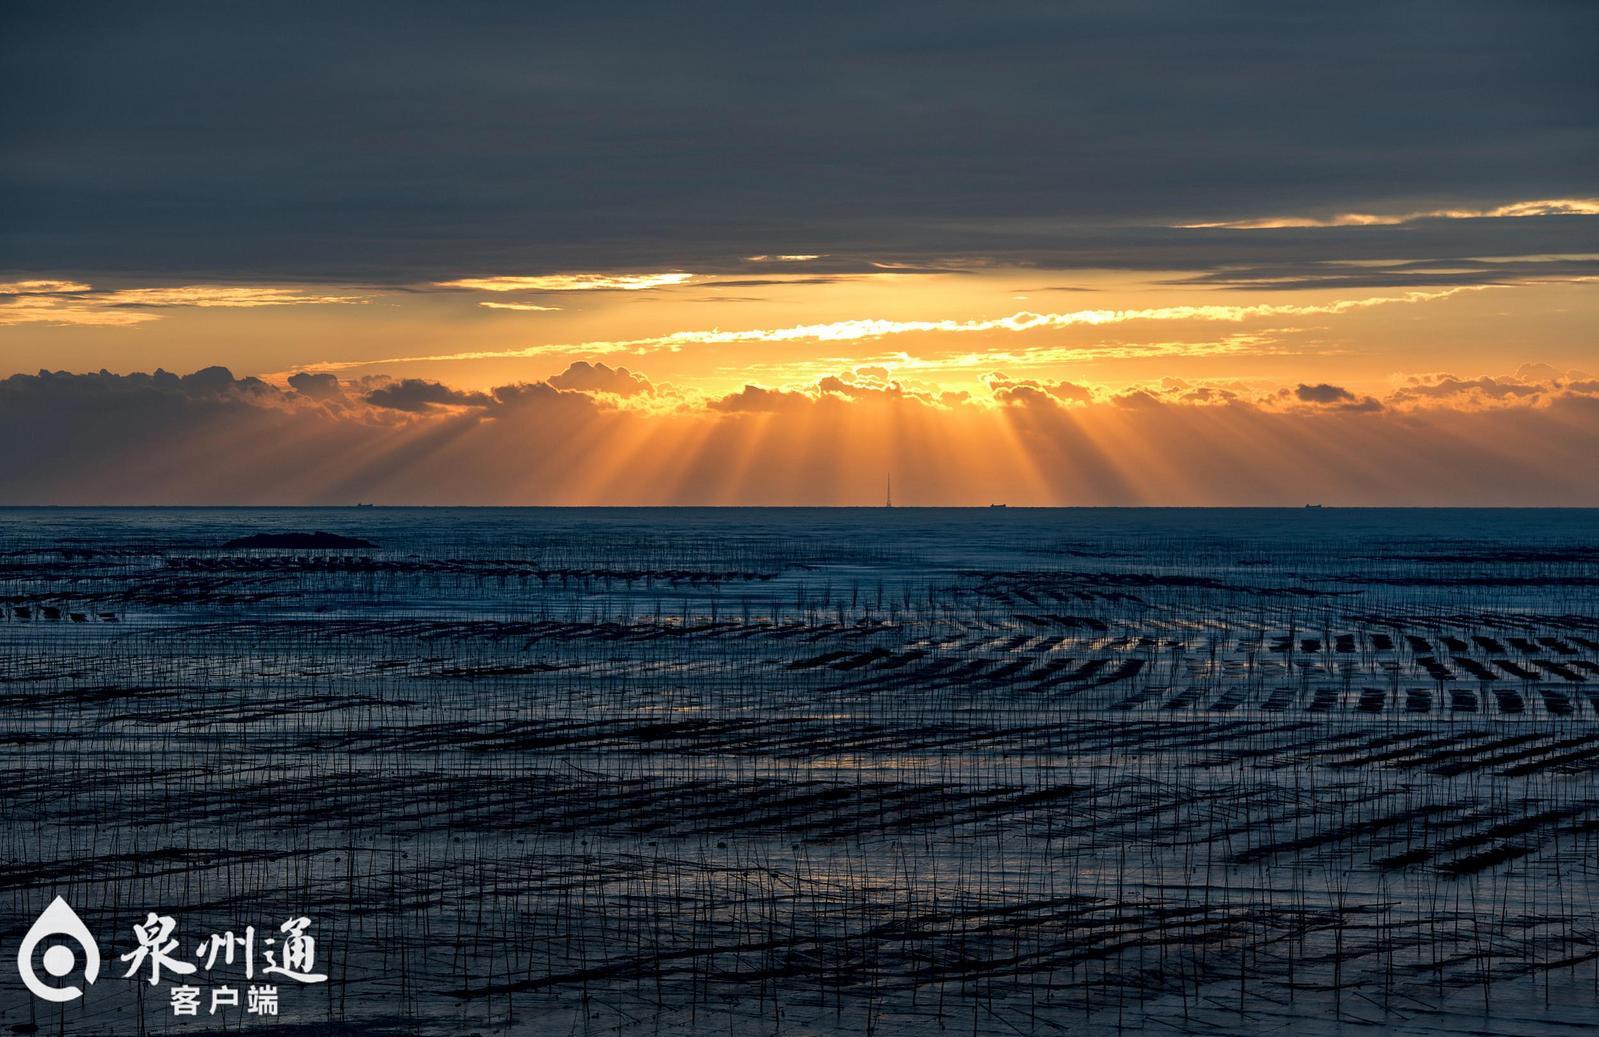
point(1130, 253)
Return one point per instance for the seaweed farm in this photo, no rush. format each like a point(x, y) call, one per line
point(995, 771)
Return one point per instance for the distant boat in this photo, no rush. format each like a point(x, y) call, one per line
point(999, 505)
point(365, 505)
point(1313, 505)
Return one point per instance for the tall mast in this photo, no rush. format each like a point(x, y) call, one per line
point(888, 496)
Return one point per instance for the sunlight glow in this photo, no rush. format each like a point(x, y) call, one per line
point(858, 330)
point(569, 282)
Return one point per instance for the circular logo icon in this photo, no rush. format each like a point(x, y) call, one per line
point(58, 920)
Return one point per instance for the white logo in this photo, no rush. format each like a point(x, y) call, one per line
point(58, 920)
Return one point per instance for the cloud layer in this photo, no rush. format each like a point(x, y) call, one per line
point(43, 301)
point(595, 434)
point(406, 144)
point(1509, 210)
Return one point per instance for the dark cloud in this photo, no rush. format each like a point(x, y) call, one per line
point(1022, 394)
point(1208, 394)
point(1024, 391)
point(587, 377)
point(866, 387)
point(154, 438)
point(755, 399)
point(410, 141)
point(1324, 393)
point(79, 392)
point(416, 395)
point(1448, 386)
point(857, 267)
point(1334, 397)
point(1447, 265)
point(870, 389)
point(208, 437)
point(317, 386)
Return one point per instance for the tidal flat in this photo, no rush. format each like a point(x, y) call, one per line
point(773, 771)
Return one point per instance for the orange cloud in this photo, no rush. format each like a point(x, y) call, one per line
point(42, 287)
point(877, 328)
point(49, 309)
point(77, 303)
point(525, 307)
point(570, 282)
point(1511, 210)
point(231, 296)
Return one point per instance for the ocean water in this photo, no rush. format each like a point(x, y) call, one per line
point(1008, 532)
point(812, 770)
